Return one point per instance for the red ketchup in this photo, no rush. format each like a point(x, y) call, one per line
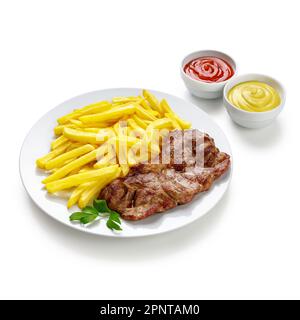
point(209, 69)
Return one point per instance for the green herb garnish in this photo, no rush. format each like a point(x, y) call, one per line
point(98, 210)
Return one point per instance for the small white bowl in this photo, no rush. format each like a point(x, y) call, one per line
point(202, 89)
point(253, 119)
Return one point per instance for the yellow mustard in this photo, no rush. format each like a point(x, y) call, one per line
point(254, 96)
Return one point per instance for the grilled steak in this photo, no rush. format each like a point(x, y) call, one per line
point(193, 163)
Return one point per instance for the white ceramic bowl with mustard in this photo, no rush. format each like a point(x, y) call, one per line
point(204, 77)
point(253, 100)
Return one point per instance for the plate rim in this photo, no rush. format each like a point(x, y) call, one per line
point(119, 235)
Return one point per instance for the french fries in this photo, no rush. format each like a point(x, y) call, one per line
point(90, 109)
point(80, 178)
point(86, 136)
point(154, 103)
point(94, 189)
point(165, 106)
point(77, 192)
point(58, 142)
point(140, 121)
point(144, 114)
point(100, 142)
point(41, 162)
point(60, 160)
point(183, 124)
point(78, 163)
point(109, 115)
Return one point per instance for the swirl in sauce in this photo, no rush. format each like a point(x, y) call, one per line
point(209, 69)
point(254, 96)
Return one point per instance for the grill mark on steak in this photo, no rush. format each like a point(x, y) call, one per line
point(153, 188)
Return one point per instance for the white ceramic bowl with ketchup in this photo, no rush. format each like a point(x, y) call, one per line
point(201, 88)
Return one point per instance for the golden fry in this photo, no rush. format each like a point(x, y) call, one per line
point(152, 101)
point(88, 137)
point(73, 145)
point(143, 102)
point(124, 99)
point(92, 191)
point(94, 130)
point(76, 122)
point(58, 130)
point(58, 142)
point(140, 121)
point(165, 106)
point(175, 123)
point(60, 160)
point(59, 150)
point(92, 108)
point(108, 159)
point(76, 193)
point(80, 136)
point(139, 131)
point(109, 115)
point(80, 178)
point(183, 124)
point(163, 123)
point(144, 114)
point(78, 163)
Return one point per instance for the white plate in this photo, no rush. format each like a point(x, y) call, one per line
point(38, 140)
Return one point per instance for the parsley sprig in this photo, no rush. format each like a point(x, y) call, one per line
point(98, 210)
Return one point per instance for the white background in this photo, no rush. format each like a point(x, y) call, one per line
point(248, 246)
